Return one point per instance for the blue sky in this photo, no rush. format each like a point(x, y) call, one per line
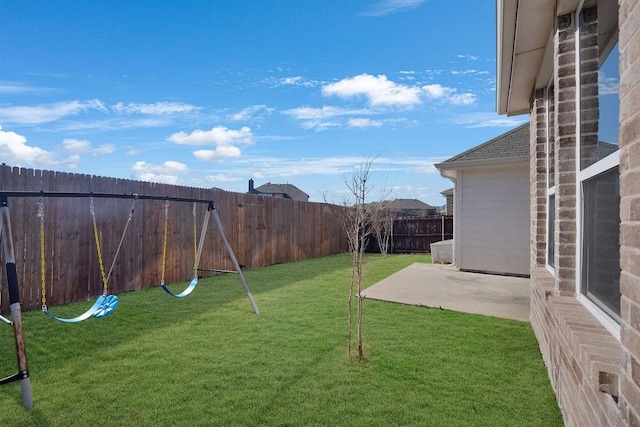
point(212, 93)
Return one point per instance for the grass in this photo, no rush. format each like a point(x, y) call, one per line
point(208, 360)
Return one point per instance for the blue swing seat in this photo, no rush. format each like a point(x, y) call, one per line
point(184, 293)
point(104, 306)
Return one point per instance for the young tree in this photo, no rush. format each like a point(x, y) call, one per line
point(382, 216)
point(355, 222)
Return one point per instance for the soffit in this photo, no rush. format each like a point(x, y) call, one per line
point(524, 42)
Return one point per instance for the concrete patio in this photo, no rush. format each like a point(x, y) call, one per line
point(446, 287)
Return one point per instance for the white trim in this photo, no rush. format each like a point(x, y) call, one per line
point(579, 195)
point(602, 165)
point(550, 270)
point(601, 316)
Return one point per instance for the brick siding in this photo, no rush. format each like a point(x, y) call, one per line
point(629, 45)
point(583, 358)
point(538, 178)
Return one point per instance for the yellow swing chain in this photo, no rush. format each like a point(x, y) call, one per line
point(164, 238)
point(97, 238)
point(195, 244)
point(43, 266)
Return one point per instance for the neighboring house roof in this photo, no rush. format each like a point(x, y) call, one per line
point(513, 145)
point(409, 204)
point(448, 192)
point(288, 190)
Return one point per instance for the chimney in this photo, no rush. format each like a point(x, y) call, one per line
point(250, 185)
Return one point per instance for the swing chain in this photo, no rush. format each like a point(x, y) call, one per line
point(43, 279)
point(95, 233)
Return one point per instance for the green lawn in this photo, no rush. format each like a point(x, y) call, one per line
point(208, 360)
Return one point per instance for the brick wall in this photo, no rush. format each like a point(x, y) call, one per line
point(583, 358)
point(629, 45)
point(538, 178)
point(565, 154)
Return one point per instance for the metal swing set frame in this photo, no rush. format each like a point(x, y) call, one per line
point(12, 276)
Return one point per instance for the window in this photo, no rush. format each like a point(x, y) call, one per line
point(598, 179)
point(551, 189)
point(551, 227)
point(601, 253)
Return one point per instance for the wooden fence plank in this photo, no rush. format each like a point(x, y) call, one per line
point(261, 230)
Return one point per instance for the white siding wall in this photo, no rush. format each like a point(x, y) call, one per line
point(493, 233)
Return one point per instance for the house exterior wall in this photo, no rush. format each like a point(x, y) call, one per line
point(594, 372)
point(493, 219)
point(629, 18)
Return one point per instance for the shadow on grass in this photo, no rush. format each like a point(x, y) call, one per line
point(50, 343)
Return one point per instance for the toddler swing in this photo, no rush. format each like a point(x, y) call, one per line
point(197, 250)
point(105, 304)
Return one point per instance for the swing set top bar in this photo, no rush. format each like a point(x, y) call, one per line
point(5, 194)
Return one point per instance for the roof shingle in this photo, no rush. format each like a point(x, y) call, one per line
point(511, 145)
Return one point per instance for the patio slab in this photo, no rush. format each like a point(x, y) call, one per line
point(446, 287)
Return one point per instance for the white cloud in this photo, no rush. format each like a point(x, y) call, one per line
point(310, 113)
point(608, 85)
point(483, 120)
point(252, 113)
point(377, 89)
point(273, 168)
point(217, 179)
point(292, 81)
point(386, 7)
point(79, 146)
point(157, 108)
point(448, 94)
point(104, 149)
point(218, 135)
point(321, 119)
point(320, 125)
point(436, 90)
point(47, 112)
point(17, 87)
point(363, 123)
point(467, 57)
point(462, 99)
point(16, 152)
point(167, 172)
point(221, 152)
point(75, 146)
point(469, 72)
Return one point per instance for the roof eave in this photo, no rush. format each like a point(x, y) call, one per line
point(464, 164)
point(523, 29)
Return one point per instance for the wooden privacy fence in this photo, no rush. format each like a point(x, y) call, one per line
point(261, 231)
point(417, 235)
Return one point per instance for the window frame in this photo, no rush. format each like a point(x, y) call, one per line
point(550, 189)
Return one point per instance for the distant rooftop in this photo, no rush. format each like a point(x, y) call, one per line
point(289, 191)
point(413, 204)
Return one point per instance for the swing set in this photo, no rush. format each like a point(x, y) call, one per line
point(106, 303)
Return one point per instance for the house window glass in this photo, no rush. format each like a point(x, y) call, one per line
point(601, 245)
point(551, 218)
point(551, 205)
point(599, 77)
point(550, 137)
